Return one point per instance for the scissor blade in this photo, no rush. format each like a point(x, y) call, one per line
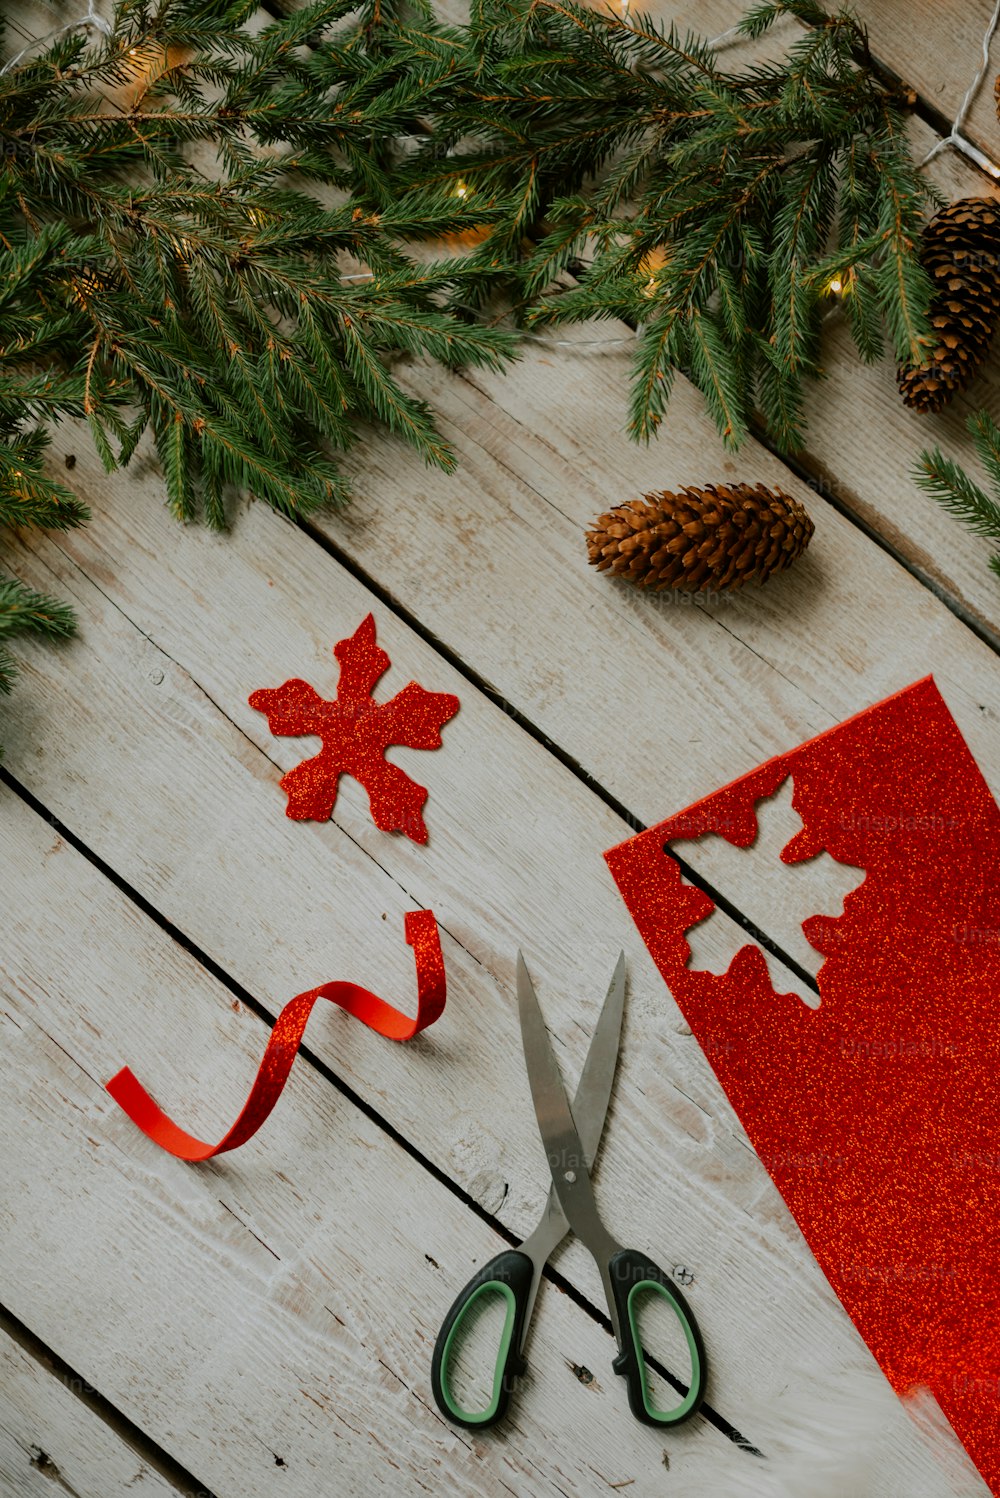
point(563, 1146)
point(593, 1092)
point(590, 1109)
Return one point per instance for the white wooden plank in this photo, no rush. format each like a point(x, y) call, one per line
point(268, 1319)
point(139, 762)
point(51, 1443)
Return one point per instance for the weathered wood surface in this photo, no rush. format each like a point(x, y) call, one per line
point(507, 829)
point(52, 1443)
point(139, 740)
point(174, 773)
point(268, 1319)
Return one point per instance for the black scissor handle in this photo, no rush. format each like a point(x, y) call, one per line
point(632, 1275)
point(509, 1275)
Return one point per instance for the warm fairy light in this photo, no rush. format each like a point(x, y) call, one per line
point(88, 280)
point(462, 190)
point(836, 286)
point(650, 265)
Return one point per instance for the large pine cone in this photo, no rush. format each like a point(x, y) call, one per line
point(715, 537)
point(961, 251)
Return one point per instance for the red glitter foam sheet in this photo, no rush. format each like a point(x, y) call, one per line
point(890, 1087)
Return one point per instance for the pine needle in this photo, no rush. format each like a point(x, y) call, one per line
point(948, 483)
point(609, 146)
point(208, 190)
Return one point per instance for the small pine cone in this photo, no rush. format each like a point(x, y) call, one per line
point(699, 539)
point(961, 252)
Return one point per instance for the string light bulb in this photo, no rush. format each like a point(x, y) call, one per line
point(835, 287)
point(650, 265)
point(462, 190)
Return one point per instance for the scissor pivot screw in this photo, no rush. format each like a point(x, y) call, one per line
point(570, 1175)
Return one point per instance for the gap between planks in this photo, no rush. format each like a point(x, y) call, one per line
point(115, 1441)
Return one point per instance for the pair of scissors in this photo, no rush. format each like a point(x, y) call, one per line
point(571, 1137)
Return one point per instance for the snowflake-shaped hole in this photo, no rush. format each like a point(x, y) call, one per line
point(776, 897)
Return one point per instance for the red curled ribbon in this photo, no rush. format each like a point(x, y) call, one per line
point(282, 1048)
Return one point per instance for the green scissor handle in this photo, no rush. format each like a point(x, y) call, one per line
point(632, 1275)
point(508, 1275)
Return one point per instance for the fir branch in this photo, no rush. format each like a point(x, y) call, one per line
point(207, 225)
point(23, 611)
point(661, 350)
point(184, 207)
point(986, 434)
point(715, 370)
point(753, 188)
point(948, 483)
point(213, 305)
point(28, 495)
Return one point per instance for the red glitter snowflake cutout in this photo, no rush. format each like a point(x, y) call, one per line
point(356, 731)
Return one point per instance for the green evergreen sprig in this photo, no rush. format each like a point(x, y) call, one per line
point(713, 209)
point(198, 238)
point(159, 211)
point(30, 497)
point(32, 386)
point(948, 483)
